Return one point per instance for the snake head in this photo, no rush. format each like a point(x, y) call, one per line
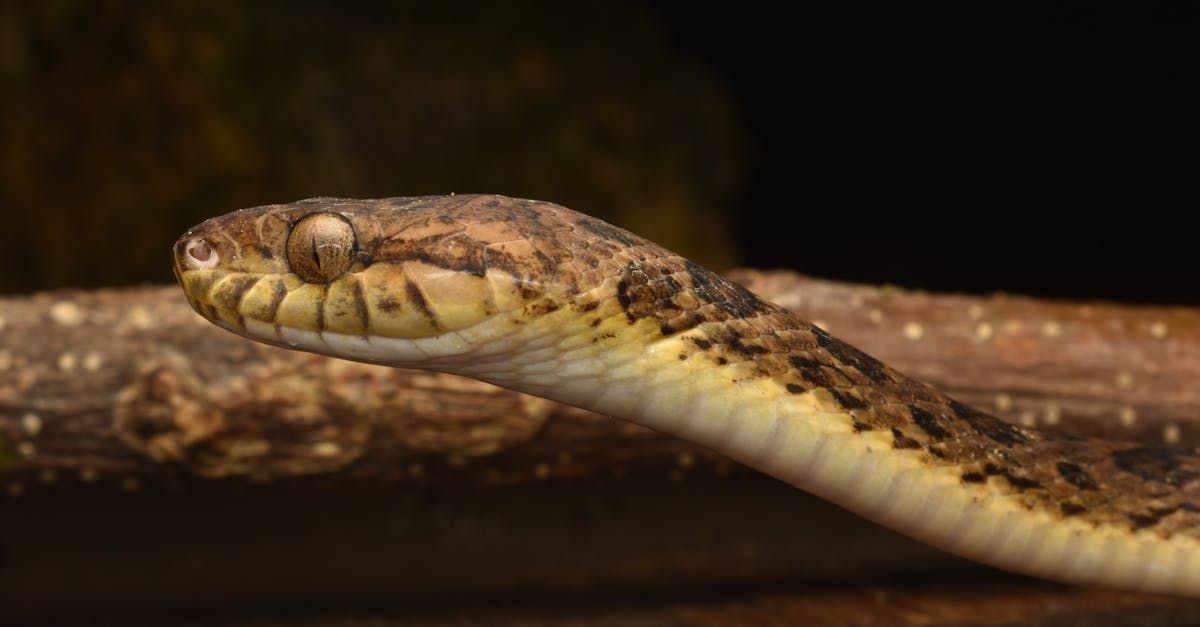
point(362, 272)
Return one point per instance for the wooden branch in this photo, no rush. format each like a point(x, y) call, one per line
point(1118, 371)
point(129, 388)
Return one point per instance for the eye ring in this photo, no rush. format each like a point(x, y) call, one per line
point(321, 247)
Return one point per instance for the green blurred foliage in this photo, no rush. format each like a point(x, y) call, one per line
point(124, 123)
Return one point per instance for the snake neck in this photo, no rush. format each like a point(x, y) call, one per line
point(782, 396)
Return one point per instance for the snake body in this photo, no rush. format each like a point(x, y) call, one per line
point(541, 299)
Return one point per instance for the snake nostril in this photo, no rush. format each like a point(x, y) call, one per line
point(201, 254)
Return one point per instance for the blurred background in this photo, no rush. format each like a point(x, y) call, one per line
point(972, 147)
point(1039, 149)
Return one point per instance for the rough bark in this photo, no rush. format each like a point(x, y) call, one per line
point(260, 476)
point(129, 387)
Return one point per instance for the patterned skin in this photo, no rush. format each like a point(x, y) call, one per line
point(545, 300)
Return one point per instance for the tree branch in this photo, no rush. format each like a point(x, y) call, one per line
point(130, 387)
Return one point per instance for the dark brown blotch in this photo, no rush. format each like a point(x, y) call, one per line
point(1021, 483)
point(542, 307)
point(1071, 509)
point(899, 440)
point(731, 298)
point(974, 477)
point(1158, 464)
point(417, 298)
point(811, 371)
point(993, 428)
point(277, 296)
point(927, 422)
point(748, 350)
point(1142, 521)
point(360, 306)
point(1076, 476)
point(795, 388)
point(229, 295)
point(846, 399)
point(870, 367)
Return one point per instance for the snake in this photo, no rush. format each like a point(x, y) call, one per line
point(541, 299)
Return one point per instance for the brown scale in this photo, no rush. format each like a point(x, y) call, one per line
point(1101, 482)
point(553, 252)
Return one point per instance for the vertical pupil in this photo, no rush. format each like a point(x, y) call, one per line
point(316, 254)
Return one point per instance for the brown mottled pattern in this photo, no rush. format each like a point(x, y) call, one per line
point(554, 255)
point(1122, 484)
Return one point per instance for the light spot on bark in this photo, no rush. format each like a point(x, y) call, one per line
point(1003, 402)
point(1171, 433)
point(1127, 417)
point(141, 318)
point(1051, 329)
point(326, 449)
point(67, 361)
point(66, 313)
point(26, 450)
point(914, 331)
point(984, 332)
point(1052, 413)
point(1124, 380)
point(92, 361)
point(31, 424)
point(87, 474)
point(1158, 329)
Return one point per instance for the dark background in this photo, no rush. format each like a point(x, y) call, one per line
point(963, 146)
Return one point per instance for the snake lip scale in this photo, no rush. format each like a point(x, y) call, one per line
point(538, 298)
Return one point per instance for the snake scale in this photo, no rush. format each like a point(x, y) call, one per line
point(538, 298)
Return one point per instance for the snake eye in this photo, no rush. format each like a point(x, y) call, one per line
point(201, 254)
point(321, 247)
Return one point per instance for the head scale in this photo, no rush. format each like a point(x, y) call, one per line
point(326, 269)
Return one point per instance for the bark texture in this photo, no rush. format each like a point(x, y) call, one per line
point(130, 387)
point(136, 439)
